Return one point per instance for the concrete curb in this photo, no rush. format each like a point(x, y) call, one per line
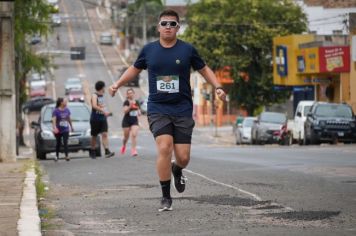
point(29, 222)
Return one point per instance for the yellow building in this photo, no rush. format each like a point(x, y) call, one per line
point(302, 62)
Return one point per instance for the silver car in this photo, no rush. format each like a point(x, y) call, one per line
point(243, 131)
point(45, 142)
point(270, 127)
point(73, 84)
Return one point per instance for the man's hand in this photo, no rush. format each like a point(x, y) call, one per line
point(112, 90)
point(221, 94)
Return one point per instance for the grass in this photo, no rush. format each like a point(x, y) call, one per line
point(46, 213)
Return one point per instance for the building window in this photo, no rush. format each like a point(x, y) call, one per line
point(328, 38)
point(337, 32)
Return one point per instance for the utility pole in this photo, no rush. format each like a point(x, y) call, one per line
point(144, 23)
point(7, 83)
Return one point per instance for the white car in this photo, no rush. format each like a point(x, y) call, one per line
point(56, 20)
point(72, 84)
point(299, 120)
point(243, 131)
point(106, 38)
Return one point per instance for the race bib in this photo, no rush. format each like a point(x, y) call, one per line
point(133, 113)
point(168, 84)
point(63, 123)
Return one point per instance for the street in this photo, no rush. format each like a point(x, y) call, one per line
point(231, 190)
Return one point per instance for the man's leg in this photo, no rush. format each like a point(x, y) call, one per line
point(164, 144)
point(183, 130)
point(105, 139)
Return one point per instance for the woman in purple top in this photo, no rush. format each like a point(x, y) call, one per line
point(61, 124)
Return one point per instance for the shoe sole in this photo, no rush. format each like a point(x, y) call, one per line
point(111, 154)
point(165, 209)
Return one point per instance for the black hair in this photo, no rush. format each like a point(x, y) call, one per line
point(169, 12)
point(99, 85)
point(59, 101)
point(130, 89)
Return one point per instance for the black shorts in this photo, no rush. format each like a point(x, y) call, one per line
point(98, 127)
point(127, 122)
point(179, 127)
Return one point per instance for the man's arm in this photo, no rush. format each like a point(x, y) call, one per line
point(126, 77)
point(210, 77)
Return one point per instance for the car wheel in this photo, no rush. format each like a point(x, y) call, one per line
point(313, 139)
point(300, 140)
point(305, 139)
point(40, 155)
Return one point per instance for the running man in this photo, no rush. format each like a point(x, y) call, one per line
point(130, 121)
point(170, 105)
point(62, 125)
point(98, 120)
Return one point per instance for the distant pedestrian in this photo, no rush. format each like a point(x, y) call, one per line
point(98, 120)
point(62, 125)
point(170, 106)
point(130, 121)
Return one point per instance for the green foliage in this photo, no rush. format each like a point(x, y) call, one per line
point(239, 33)
point(31, 18)
point(135, 12)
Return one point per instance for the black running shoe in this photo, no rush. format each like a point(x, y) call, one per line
point(179, 179)
point(166, 204)
point(109, 154)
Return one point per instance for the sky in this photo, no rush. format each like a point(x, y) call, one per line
point(178, 2)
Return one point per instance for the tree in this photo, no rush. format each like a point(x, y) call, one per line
point(143, 17)
point(239, 34)
point(31, 18)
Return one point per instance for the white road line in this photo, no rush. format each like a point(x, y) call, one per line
point(255, 196)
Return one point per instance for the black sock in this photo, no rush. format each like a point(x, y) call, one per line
point(107, 150)
point(176, 169)
point(166, 188)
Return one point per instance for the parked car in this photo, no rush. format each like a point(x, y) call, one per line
point(243, 130)
point(106, 38)
point(270, 127)
point(72, 84)
point(37, 91)
point(76, 95)
point(45, 141)
point(134, 82)
point(329, 122)
point(36, 104)
point(35, 39)
point(299, 120)
point(56, 20)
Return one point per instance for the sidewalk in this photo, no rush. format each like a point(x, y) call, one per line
point(12, 176)
point(217, 136)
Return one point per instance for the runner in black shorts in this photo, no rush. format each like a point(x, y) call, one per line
point(130, 121)
point(98, 120)
point(170, 106)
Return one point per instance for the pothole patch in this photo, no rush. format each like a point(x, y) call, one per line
point(304, 215)
point(227, 200)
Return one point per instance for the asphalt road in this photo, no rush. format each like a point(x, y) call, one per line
point(232, 190)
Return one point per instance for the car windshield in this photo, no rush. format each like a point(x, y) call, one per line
point(306, 109)
point(247, 123)
point(333, 110)
point(73, 81)
point(277, 118)
point(78, 113)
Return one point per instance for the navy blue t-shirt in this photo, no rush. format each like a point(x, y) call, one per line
point(169, 77)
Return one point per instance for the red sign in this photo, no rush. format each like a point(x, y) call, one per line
point(334, 59)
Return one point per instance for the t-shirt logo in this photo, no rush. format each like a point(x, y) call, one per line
point(177, 61)
point(168, 84)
